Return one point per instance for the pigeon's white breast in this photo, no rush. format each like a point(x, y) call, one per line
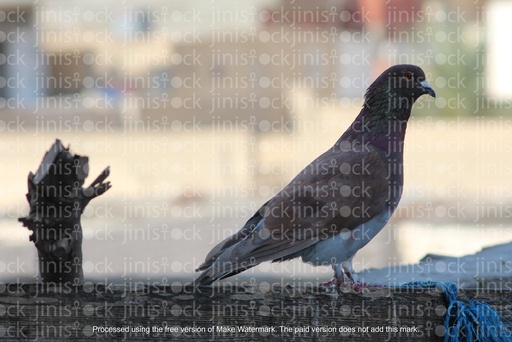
point(344, 245)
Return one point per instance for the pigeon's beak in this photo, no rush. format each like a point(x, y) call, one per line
point(427, 89)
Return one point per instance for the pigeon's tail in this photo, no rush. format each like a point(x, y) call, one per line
point(250, 246)
point(228, 262)
point(214, 272)
point(227, 258)
point(236, 254)
point(247, 253)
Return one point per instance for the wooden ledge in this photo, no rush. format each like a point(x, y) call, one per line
point(49, 312)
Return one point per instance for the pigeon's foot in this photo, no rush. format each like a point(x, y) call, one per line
point(344, 274)
point(359, 286)
point(343, 280)
point(334, 282)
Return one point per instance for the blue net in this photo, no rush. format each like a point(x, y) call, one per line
point(469, 320)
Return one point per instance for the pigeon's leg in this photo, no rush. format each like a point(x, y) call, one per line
point(351, 274)
point(339, 277)
point(344, 273)
point(349, 271)
point(353, 278)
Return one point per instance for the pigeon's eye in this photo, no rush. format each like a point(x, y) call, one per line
point(408, 75)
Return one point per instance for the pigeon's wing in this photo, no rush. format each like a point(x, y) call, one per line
point(336, 191)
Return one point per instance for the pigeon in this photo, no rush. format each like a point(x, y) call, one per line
point(341, 200)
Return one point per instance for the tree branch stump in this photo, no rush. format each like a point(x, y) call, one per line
point(57, 201)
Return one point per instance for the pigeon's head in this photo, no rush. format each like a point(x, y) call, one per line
point(398, 88)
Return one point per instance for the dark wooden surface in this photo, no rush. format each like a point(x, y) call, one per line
point(46, 312)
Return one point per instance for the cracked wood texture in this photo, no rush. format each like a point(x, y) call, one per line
point(57, 201)
point(138, 311)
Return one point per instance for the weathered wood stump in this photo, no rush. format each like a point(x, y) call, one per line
point(57, 201)
point(263, 312)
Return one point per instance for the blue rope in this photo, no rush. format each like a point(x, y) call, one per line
point(469, 320)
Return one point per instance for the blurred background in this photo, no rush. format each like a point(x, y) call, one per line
point(205, 110)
